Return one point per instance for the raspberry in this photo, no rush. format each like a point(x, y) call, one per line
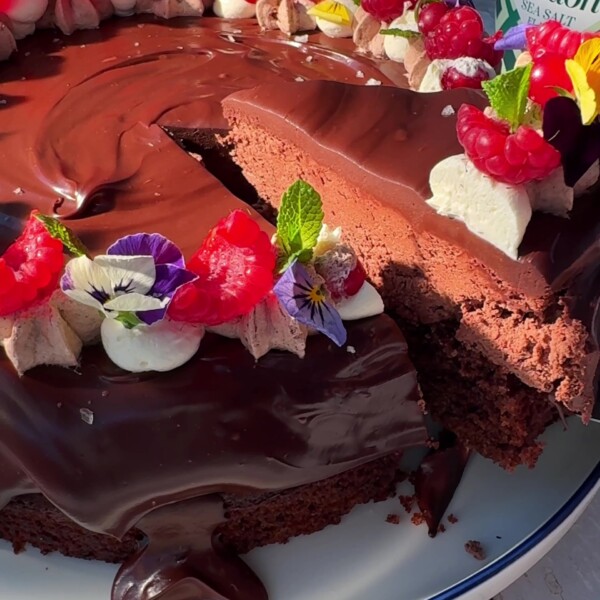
point(385, 10)
point(430, 15)
point(453, 78)
point(555, 38)
point(341, 270)
point(492, 57)
point(547, 73)
point(235, 272)
point(512, 158)
point(30, 268)
point(458, 33)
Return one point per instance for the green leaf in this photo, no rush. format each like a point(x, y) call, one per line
point(299, 223)
point(507, 94)
point(129, 319)
point(405, 33)
point(70, 241)
point(562, 92)
point(357, 2)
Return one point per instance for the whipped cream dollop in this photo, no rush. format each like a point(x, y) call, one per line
point(162, 346)
point(337, 30)
point(366, 303)
point(396, 46)
point(234, 9)
point(466, 65)
point(497, 212)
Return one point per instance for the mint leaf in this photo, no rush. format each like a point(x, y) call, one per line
point(357, 2)
point(299, 223)
point(61, 232)
point(507, 94)
point(405, 33)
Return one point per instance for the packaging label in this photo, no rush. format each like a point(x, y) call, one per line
point(577, 14)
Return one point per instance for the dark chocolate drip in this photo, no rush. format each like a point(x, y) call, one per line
point(438, 477)
point(180, 550)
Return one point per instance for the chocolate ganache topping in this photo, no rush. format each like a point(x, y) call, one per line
point(82, 137)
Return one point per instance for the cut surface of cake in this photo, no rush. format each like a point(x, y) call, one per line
point(521, 333)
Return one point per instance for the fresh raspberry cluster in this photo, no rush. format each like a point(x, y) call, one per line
point(552, 37)
point(387, 10)
point(452, 32)
point(235, 266)
point(512, 158)
point(30, 268)
point(343, 273)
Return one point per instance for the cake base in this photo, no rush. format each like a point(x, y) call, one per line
point(252, 521)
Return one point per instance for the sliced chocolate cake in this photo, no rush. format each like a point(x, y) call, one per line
point(499, 342)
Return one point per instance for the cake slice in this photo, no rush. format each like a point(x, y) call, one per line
point(501, 345)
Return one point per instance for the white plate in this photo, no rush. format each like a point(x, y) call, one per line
point(517, 517)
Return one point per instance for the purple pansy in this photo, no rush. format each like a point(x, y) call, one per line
point(515, 38)
point(578, 144)
point(139, 274)
point(306, 302)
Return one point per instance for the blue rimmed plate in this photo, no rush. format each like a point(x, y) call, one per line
point(517, 517)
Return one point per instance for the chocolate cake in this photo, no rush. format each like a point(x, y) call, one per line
point(521, 334)
point(224, 453)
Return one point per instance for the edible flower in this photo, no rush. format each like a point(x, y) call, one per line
point(305, 300)
point(515, 38)
point(332, 11)
point(133, 282)
point(584, 71)
point(578, 144)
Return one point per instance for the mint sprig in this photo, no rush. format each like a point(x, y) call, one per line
point(73, 245)
point(298, 224)
point(507, 94)
point(409, 34)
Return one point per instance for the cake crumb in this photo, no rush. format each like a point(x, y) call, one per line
point(407, 502)
point(87, 416)
point(231, 39)
point(393, 519)
point(441, 528)
point(417, 519)
point(448, 111)
point(475, 549)
point(19, 191)
point(360, 75)
point(452, 519)
point(351, 349)
point(373, 82)
point(432, 443)
point(299, 79)
point(301, 38)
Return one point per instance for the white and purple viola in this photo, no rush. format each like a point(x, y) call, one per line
point(132, 286)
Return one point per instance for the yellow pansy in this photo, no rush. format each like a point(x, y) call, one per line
point(332, 11)
point(584, 71)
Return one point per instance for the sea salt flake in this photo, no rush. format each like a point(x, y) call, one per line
point(301, 38)
point(373, 82)
point(3, 101)
point(350, 349)
point(309, 59)
point(231, 39)
point(299, 79)
point(237, 31)
point(27, 53)
point(87, 416)
point(448, 111)
point(136, 44)
point(179, 47)
point(360, 75)
point(19, 191)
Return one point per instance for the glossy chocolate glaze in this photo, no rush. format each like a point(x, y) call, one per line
point(81, 134)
